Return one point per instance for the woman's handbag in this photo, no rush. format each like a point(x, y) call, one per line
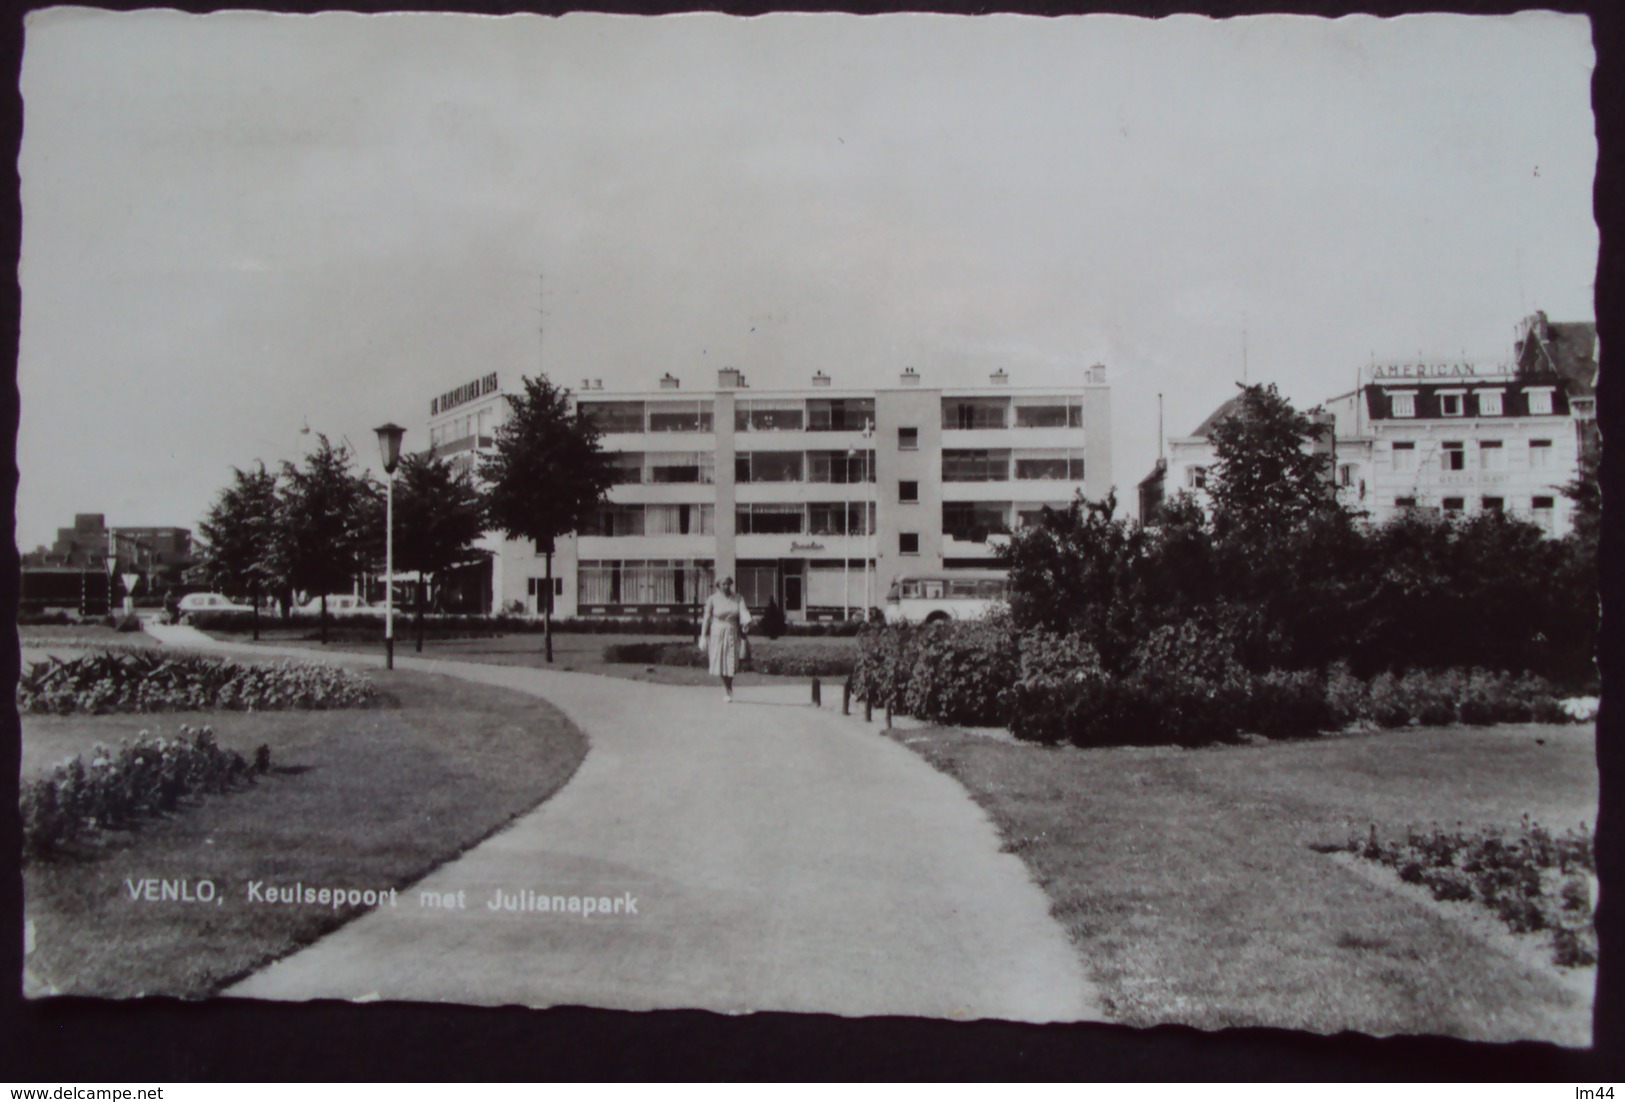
point(744, 647)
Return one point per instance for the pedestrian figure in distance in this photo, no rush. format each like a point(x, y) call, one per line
point(722, 634)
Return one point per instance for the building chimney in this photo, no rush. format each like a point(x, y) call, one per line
point(670, 382)
point(910, 377)
point(999, 377)
point(729, 378)
point(820, 379)
point(1096, 373)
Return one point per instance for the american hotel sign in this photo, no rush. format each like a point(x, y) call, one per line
point(469, 391)
point(1428, 369)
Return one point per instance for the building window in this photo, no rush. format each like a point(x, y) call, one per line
point(1404, 455)
point(1195, 478)
point(908, 439)
point(840, 414)
point(1403, 403)
point(908, 543)
point(1060, 466)
point(1540, 399)
point(767, 467)
point(679, 520)
point(1404, 503)
point(758, 584)
point(1545, 516)
point(1494, 505)
point(1540, 454)
point(1489, 403)
point(1454, 504)
point(609, 417)
point(838, 519)
point(685, 416)
point(615, 520)
point(682, 467)
point(974, 521)
point(770, 519)
point(908, 492)
point(626, 468)
point(840, 467)
point(1049, 413)
point(975, 465)
point(766, 415)
point(641, 582)
point(1491, 455)
point(1452, 403)
point(1029, 513)
point(1345, 474)
point(974, 413)
point(1453, 456)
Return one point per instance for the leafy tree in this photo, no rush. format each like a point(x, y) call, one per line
point(544, 476)
point(439, 515)
point(243, 552)
point(1264, 479)
point(330, 522)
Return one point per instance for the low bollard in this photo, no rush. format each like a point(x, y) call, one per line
point(868, 711)
point(818, 695)
point(888, 716)
point(846, 699)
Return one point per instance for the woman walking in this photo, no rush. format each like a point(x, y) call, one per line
point(722, 634)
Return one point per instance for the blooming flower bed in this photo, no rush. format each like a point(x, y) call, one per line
point(143, 778)
point(1533, 880)
point(153, 681)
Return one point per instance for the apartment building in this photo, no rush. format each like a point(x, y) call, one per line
point(815, 498)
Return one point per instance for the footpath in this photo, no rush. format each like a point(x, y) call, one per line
point(778, 856)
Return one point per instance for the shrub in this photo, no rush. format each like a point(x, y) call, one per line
point(1430, 699)
point(963, 671)
point(1448, 884)
point(156, 681)
point(1289, 704)
point(1347, 699)
point(1191, 684)
point(145, 777)
point(811, 661)
point(36, 619)
point(885, 663)
point(1384, 704)
point(772, 622)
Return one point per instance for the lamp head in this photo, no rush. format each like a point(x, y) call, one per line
point(389, 444)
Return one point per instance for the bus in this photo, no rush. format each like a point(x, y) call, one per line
point(949, 595)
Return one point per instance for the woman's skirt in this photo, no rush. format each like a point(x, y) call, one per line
point(724, 648)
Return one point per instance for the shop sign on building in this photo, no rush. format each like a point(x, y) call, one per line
point(1428, 369)
point(477, 388)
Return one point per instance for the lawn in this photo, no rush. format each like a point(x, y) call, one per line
point(1191, 884)
point(367, 798)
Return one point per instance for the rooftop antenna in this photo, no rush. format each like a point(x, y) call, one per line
point(1159, 426)
point(541, 317)
point(1244, 346)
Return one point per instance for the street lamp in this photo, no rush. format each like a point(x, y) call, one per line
point(389, 446)
point(868, 519)
point(846, 531)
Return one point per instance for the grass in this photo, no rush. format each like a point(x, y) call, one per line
point(580, 653)
point(370, 798)
point(1190, 883)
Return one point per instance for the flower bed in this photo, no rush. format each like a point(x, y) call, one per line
point(143, 778)
point(1531, 879)
point(153, 681)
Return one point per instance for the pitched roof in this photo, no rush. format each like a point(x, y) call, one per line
point(1567, 348)
point(1228, 409)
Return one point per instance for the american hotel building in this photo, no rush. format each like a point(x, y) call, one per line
point(816, 498)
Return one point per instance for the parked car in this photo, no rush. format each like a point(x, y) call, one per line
point(207, 602)
point(338, 604)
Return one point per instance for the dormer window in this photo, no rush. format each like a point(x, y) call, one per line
point(1489, 403)
point(1540, 398)
point(1403, 402)
point(1452, 403)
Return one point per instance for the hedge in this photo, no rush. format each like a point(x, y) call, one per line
point(370, 625)
point(801, 662)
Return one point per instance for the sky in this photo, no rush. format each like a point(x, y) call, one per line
point(240, 226)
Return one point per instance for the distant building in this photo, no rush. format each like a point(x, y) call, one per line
point(68, 573)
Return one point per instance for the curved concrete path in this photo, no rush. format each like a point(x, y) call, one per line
point(781, 858)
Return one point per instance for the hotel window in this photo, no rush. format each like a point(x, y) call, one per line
point(1404, 455)
point(685, 416)
point(1061, 466)
point(1491, 455)
point(1489, 403)
point(837, 518)
point(1453, 456)
point(974, 413)
point(908, 492)
point(770, 519)
point(1403, 403)
point(975, 465)
point(1404, 503)
point(768, 467)
point(1049, 413)
point(840, 414)
point(1195, 478)
point(679, 520)
point(1540, 455)
point(839, 467)
point(1345, 474)
point(908, 543)
point(908, 439)
point(974, 521)
point(1545, 516)
point(1494, 505)
point(615, 520)
point(1029, 513)
point(1454, 504)
point(1540, 399)
point(764, 415)
point(682, 467)
point(608, 417)
point(626, 468)
point(1452, 403)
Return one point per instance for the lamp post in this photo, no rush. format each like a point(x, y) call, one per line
point(389, 446)
point(868, 520)
point(846, 531)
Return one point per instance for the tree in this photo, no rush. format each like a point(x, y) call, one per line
point(1265, 480)
point(329, 522)
point(545, 475)
point(438, 517)
point(244, 553)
